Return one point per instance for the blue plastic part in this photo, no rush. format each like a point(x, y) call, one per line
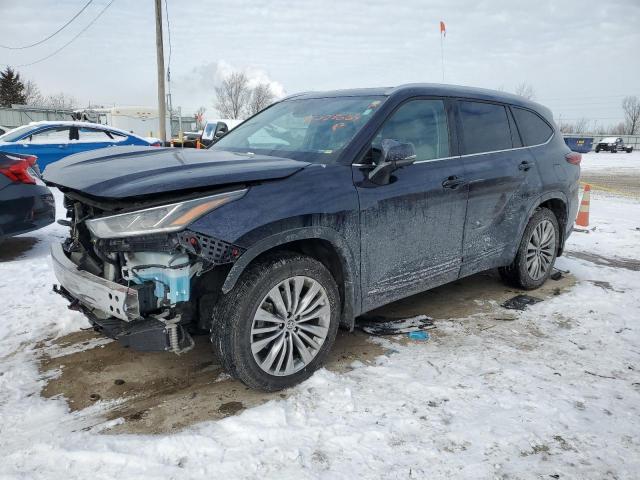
point(420, 335)
point(178, 285)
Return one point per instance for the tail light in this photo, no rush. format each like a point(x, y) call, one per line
point(573, 158)
point(17, 168)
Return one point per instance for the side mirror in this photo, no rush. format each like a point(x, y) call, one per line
point(394, 155)
point(221, 130)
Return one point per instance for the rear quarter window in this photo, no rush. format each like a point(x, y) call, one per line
point(485, 127)
point(534, 130)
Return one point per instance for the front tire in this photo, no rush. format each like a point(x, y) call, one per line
point(278, 324)
point(536, 253)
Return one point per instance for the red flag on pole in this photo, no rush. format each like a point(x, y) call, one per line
point(443, 28)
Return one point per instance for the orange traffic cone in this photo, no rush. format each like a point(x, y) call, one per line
point(198, 144)
point(583, 212)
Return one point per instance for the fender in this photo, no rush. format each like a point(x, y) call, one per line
point(553, 195)
point(351, 304)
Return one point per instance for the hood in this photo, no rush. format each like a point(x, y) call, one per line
point(122, 172)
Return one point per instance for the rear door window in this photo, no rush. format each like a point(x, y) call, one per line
point(485, 127)
point(534, 130)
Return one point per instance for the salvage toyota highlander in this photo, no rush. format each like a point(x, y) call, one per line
point(318, 209)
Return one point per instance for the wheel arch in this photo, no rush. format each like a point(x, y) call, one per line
point(557, 203)
point(322, 243)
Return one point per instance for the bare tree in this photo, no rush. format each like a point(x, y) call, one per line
point(32, 94)
point(617, 129)
point(233, 95)
point(199, 117)
point(581, 125)
point(564, 126)
point(60, 101)
point(525, 90)
point(261, 98)
point(631, 107)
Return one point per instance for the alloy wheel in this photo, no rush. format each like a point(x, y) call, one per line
point(540, 249)
point(290, 326)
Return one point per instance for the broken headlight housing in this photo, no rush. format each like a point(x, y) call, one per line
point(162, 219)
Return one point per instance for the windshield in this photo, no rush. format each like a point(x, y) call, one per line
point(15, 134)
point(313, 129)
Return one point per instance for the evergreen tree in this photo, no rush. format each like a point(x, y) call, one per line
point(11, 88)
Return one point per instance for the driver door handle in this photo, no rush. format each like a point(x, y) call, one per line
point(453, 182)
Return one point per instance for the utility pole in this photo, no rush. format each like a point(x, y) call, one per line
point(162, 109)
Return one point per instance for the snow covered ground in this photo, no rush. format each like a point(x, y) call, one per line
point(553, 394)
point(606, 161)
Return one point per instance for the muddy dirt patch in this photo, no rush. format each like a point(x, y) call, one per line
point(162, 392)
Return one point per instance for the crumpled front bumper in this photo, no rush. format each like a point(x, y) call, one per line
point(116, 310)
point(95, 292)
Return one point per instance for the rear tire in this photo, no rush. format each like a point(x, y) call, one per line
point(536, 253)
point(597, 150)
point(278, 324)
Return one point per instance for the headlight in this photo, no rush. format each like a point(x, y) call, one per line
point(162, 219)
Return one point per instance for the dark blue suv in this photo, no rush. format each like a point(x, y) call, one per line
point(317, 209)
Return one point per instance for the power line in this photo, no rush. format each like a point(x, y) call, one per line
point(70, 41)
point(53, 34)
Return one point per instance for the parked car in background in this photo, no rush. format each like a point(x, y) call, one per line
point(188, 140)
point(26, 204)
point(613, 145)
point(212, 131)
point(215, 129)
point(318, 209)
point(50, 141)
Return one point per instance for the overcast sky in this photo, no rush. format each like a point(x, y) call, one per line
point(581, 57)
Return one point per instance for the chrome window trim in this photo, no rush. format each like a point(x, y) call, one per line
point(510, 149)
point(553, 134)
point(417, 161)
point(436, 159)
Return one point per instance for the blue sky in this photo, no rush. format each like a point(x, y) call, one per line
point(581, 57)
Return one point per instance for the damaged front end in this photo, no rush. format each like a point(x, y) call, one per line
point(135, 274)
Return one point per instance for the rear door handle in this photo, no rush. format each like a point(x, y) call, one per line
point(526, 165)
point(453, 182)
